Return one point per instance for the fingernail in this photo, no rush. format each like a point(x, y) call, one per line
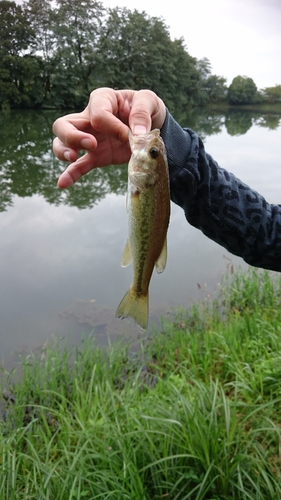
point(139, 129)
point(86, 144)
point(66, 155)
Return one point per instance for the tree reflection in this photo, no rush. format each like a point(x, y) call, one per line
point(204, 121)
point(28, 166)
point(270, 121)
point(238, 122)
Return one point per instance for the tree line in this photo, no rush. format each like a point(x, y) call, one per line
point(53, 53)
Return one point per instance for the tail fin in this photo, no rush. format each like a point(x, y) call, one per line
point(134, 306)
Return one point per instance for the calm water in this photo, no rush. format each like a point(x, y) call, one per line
point(60, 251)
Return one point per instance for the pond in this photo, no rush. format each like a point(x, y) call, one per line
point(60, 251)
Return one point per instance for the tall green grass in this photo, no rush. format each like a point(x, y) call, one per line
point(195, 414)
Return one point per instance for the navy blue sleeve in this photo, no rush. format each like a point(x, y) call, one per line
point(218, 203)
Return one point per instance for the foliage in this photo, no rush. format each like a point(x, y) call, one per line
point(61, 51)
point(15, 33)
point(242, 90)
point(272, 94)
point(212, 88)
point(15, 37)
point(195, 414)
point(131, 50)
point(216, 88)
point(76, 31)
point(53, 53)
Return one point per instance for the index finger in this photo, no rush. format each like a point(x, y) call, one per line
point(72, 130)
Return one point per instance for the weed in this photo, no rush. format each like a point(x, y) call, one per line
point(194, 415)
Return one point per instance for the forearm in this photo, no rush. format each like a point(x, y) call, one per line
point(220, 205)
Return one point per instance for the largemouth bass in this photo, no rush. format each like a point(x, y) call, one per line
point(148, 208)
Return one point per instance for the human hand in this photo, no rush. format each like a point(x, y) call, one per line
point(102, 130)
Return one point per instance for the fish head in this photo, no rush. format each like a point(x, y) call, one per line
point(148, 159)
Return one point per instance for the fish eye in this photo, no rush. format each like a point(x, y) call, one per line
point(154, 152)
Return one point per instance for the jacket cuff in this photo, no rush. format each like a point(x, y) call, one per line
point(178, 144)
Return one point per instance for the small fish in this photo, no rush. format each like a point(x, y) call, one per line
point(148, 208)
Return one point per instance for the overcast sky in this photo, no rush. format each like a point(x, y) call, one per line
point(239, 37)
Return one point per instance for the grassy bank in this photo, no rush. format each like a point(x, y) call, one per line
point(196, 414)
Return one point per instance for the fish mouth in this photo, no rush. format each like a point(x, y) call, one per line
point(140, 141)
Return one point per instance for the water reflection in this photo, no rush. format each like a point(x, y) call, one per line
point(60, 265)
point(28, 166)
point(237, 121)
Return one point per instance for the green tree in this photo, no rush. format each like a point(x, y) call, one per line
point(272, 95)
point(42, 19)
point(15, 38)
point(242, 90)
point(15, 32)
point(77, 30)
point(124, 48)
point(185, 92)
point(216, 88)
point(211, 88)
point(204, 69)
point(136, 51)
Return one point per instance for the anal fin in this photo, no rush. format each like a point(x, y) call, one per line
point(127, 256)
point(160, 264)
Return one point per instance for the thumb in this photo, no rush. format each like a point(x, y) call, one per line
point(148, 111)
point(139, 129)
point(140, 118)
point(142, 108)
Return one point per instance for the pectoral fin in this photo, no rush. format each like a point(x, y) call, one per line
point(160, 264)
point(127, 256)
